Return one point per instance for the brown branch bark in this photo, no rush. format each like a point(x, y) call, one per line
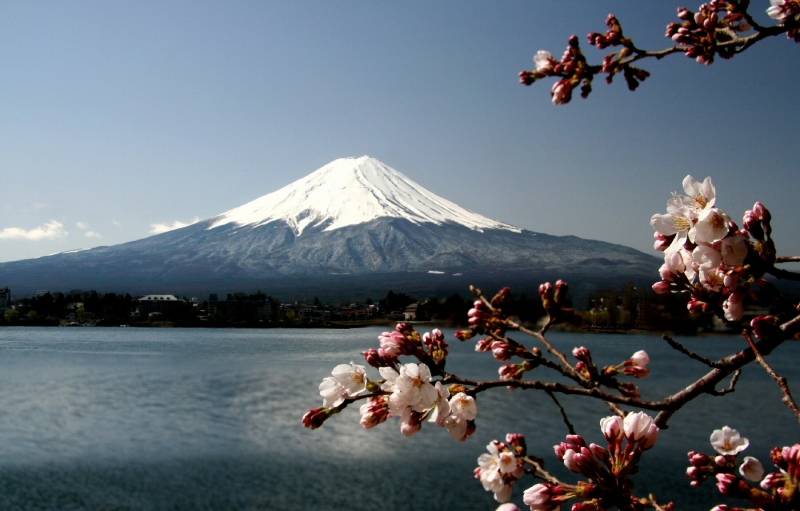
point(788, 400)
point(667, 407)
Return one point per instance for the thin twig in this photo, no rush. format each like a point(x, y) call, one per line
point(782, 382)
point(539, 471)
point(731, 385)
point(787, 259)
point(570, 427)
point(680, 347)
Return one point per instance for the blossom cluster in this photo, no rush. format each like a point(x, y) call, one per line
point(787, 12)
point(635, 366)
point(407, 391)
point(776, 490)
point(710, 30)
point(502, 466)
point(706, 253)
point(719, 28)
point(607, 469)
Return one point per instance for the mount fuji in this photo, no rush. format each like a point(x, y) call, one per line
point(353, 224)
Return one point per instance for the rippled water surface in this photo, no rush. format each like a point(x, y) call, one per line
point(173, 419)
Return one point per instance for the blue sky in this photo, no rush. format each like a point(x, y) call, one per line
point(120, 117)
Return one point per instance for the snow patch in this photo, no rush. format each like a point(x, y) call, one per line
point(353, 191)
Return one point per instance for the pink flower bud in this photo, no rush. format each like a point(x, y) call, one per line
point(639, 427)
point(314, 418)
point(698, 459)
point(612, 428)
point(662, 287)
point(772, 481)
point(636, 371)
point(731, 486)
point(761, 212)
point(640, 358)
point(571, 460)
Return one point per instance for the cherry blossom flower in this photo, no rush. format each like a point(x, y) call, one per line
point(640, 427)
point(409, 387)
point(734, 250)
point(712, 225)
point(706, 257)
point(508, 506)
point(463, 406)
point(459, 429)
point(347, 381)
point(783, 10)
point(677, 221)
point(751, 469)
point(498, 469)
point(544, 61)
point(733, 306)
point(332, 392)
point(440, 412)
point(353, 378)
point(728, 442)
point(702, 195)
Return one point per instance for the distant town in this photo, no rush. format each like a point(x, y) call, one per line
point(625, 309)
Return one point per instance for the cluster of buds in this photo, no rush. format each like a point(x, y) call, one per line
point(787, 12)
point(706, 254)
point(612, 37)
point(502, 466)
point(430, 348)
point(606, 469)
point(572, 69)
point(635, 366)
point(615, 62)
point(554, 301)
point(757, 224)
point(486, 316)
point(710, 30)
point(728, 443)
point(585, 366)
point(718, 28)
point(776, 490)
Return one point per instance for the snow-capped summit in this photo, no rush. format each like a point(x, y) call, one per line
point(353, 224)
point(353, 191)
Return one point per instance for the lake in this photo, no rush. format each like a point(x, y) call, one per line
point(209, 419)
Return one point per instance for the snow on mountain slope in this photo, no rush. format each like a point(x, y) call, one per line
point(353, 191)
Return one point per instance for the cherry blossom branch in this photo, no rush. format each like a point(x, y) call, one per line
point(667, 407)
point(706, 384)
point(783, 274)
point(679, 347)
point(787, 259)
point(781, 380)
point(714, 30)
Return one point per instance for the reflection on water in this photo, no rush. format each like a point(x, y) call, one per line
point(175, 419)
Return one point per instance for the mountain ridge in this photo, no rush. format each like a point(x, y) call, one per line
point(416, 235)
